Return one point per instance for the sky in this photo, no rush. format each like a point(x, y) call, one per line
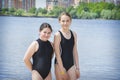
point(40, 3)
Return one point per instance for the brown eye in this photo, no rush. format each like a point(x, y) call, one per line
point(44, 32)
point(63, 20)
point(67, 20)
point(49, 32)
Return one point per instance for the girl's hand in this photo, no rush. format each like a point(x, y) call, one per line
point(77, 73)
point(64, 75)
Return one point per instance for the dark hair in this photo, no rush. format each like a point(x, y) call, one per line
point(45, 25)
point(65, 13)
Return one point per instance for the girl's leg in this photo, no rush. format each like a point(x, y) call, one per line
point(57, 73)
point(36, 75)
point(49, 77)
point(72, 74)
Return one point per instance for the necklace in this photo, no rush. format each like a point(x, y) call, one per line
point(67, 33)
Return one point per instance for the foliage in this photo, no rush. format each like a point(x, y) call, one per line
point(19, 12)
point(56, 11)
point(12, 11)
point(32, 10)
point(42, 11)
point(117, 15)
point(73, 13)
point(91, 10)
point(4, 11)
point(106, 14)
point(69, 9)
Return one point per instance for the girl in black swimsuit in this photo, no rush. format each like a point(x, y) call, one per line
point(65, 44)
point(41, 51)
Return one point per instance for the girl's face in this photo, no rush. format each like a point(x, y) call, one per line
point(45, 34)
point(65, 21)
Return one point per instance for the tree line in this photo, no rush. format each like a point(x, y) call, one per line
point(98, 10)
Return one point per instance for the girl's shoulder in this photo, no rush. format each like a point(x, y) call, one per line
point(57, 37)
point(34, 43)
point(57, 34)
point(74, 33)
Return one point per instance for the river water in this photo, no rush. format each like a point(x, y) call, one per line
point(98, 46)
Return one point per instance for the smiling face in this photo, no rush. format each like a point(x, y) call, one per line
point(45, 34)
point(45, 31)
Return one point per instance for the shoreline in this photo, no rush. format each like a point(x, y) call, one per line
point(52, 17)
point(30, 16)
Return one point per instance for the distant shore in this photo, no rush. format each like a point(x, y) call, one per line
point(51, 17)
point(30, 16)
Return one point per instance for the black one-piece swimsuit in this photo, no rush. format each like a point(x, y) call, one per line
point(66, 51)
point(42, 58)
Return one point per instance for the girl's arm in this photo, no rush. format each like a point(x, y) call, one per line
point(57, 40)
point(76, 58)
point(53, 49)
point(30, 51)
point(75, 52)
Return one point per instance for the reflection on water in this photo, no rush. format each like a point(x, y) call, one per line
point(98, 46)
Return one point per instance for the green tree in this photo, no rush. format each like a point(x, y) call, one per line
point(56, 11)
point(19, 12)
point(106, 14)
point(32, 10)
point(73, 13)
point(69, 9)
point(12, 11)
point(4, 11)
point(42, 11)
